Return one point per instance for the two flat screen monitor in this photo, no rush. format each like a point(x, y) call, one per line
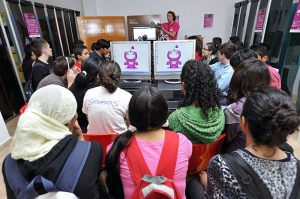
point(134, 58)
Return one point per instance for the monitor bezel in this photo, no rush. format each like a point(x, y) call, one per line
point(170, 75)
point(133, 75)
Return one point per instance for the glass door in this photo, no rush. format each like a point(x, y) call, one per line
point(261, 19)
point(236, 18)
point(249, 33)
point(243, 19)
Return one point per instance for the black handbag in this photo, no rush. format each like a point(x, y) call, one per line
point(28, 89)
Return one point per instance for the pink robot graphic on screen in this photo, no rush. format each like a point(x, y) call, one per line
point(131, 57)
point(174, 58)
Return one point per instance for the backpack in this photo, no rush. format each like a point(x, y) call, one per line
point(250, 181)
point(160, 186)
point(65, 183)
point(28, 87)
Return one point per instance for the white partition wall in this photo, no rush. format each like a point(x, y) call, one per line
point(190, 12)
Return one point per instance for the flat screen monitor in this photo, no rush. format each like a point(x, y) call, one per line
point(141, 31)
point(170, 56)
point(134, 58)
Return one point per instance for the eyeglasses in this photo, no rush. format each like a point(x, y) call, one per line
point(205, 49)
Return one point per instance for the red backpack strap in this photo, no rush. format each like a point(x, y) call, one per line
point(136, 162)
point(168, 158)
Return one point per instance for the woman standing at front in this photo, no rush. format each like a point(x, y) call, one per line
point(170, 28)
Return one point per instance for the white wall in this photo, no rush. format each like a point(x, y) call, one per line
point(191, 13)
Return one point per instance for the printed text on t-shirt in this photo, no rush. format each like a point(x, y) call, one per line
point(103, 102)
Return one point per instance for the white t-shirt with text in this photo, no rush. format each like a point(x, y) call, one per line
point(106, 111)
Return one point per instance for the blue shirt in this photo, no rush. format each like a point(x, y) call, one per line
point(223, 74)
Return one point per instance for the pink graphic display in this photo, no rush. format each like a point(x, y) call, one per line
point(174, 58)
point(296, 22)
point(170, 56)
point(131, 57)
point(260, 20)
point(208, 20)
point(134, 58)
point(32, 25)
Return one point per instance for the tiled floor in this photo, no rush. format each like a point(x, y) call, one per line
point(11, 126)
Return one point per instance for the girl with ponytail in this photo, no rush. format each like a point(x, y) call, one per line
point(148, 111)
point(88, 78)
point(107, 105)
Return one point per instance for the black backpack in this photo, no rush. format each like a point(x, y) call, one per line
point(65, 184)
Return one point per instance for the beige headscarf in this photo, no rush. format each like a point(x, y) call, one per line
point(43, 124)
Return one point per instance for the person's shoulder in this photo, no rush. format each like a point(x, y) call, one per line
point(273, 71)
point(38, 63)
point(216, 162)
point(173, 114)
point(237, 106)
point(93, 54)
point(96, 148)
point(229, 68)
point(123, 92)
point(93, 90)
point(183, 138)
point(215, 65)
point(185, 144)
point(173, 117)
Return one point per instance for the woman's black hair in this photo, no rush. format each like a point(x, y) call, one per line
point(212, 47)
point(271, 116)
point(28, 52)
point(90, 69)
point(241, 55)
point(247, 76)
point(109, 74)
point(147, 110)
point(217, 41)
point(200, 86)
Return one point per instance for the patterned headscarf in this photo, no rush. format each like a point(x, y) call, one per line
point(43, 124)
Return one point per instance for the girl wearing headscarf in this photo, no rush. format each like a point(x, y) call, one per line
point(44, 139)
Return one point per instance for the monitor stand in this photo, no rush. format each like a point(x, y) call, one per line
point(132, 80)
point(172, 81)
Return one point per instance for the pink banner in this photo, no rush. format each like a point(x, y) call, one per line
point(32, 25)
point(260, 20)
point(208, 20)
point(296, 22)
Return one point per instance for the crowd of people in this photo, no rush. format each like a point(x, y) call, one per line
point(226, 89)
